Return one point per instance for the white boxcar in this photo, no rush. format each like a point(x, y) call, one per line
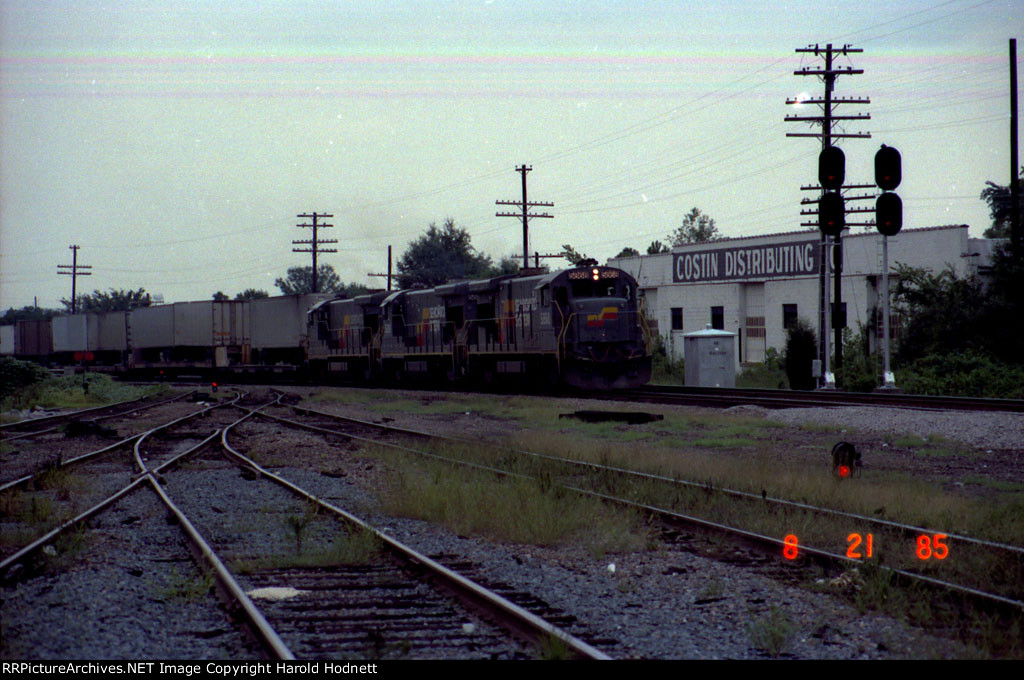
point(111, 331)
point(7, 340)
point(152, 326)
point(280, 322)
point(72, 333)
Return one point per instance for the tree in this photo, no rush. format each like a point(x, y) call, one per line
point(351, 290)
point(12, 315)
point(572, 255)
point(300, 280)
point(657, 247)
point(508, 265)
point(696, 228)
point(943, 313)
point(998, 199)
point(252, 294)
point(628, 252)
point(440, 255)
point(114, 301)
point(220, 296)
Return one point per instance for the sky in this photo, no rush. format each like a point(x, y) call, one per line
point(177, 142)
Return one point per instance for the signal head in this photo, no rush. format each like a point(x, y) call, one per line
point(831, 214)
point(889, 214)
point(888, 168)
point(831, 168)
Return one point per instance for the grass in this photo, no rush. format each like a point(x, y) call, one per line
point(722, 450)
point(184, 588)
point(66, 392)
point(347, 547)
point(772, 632)
point(506, 509)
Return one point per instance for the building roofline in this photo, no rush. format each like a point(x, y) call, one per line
point(808, 232)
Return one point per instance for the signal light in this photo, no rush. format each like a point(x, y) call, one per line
point(831, 168)
point(844, 471)
point(888, 168)
point(831, 214)
point(889, 214)
point(213, 386)
point(597, 274)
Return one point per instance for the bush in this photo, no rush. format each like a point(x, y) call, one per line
point(861, 371)
point(664, 369)
point(801, 350)
point(965, 374)
point(770, 374)
point(16, 375)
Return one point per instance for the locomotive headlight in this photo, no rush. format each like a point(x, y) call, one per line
point(596, 273)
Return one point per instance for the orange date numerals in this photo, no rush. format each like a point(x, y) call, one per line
point(932, 546)
point(855, 540)
point(790, 550)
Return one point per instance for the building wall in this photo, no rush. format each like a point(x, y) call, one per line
point(701, 276)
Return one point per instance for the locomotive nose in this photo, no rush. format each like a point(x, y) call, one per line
point(599, 320)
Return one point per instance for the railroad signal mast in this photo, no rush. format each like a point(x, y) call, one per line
point(831, 174)
point(314, 243)
point(525, 206)
point(74, 270)
point(888, 221)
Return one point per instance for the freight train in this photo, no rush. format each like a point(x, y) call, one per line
point(581, 327)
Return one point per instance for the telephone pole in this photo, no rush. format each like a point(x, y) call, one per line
point(74, 270)
point(314, 243)
point(389, 275)
point(827, 120)
point(1015, 226)
point(525, 215)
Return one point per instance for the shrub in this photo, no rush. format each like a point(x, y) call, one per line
point(861, 371)
point(16, 375)
point(965, 374)
point(664, 369)
point(770, 374)
point(801, 350)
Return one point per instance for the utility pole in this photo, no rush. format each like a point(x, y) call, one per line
point(525, 215)
point(537, 257)
point(1015, 227)
point(74, 270)
point(314, 243)
point(827, 120)
point(389, 275)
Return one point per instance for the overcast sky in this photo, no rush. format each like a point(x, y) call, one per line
point(176, 142)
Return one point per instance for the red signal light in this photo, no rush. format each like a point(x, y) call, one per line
point(844, 471)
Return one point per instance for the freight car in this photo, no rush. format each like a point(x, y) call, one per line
point(579, 327)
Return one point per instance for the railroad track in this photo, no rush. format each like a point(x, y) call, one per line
point(89, 418)
point(320, 625)
point(727, 397)
point(988, 573)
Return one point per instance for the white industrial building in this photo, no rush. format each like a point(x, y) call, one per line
point(755, 286)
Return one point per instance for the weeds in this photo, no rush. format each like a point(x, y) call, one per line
point(773, 632)
point(299, 523)
point(183, 588)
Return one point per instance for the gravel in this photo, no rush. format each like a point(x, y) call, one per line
point(666, 603)
point(979, 430)
point(133, 592)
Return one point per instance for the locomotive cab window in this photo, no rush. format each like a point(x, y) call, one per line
point(586, 288)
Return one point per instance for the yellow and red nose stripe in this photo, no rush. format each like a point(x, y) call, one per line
point(607, 314)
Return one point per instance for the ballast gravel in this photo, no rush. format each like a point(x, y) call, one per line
point(130, 591)
point(131, 597)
